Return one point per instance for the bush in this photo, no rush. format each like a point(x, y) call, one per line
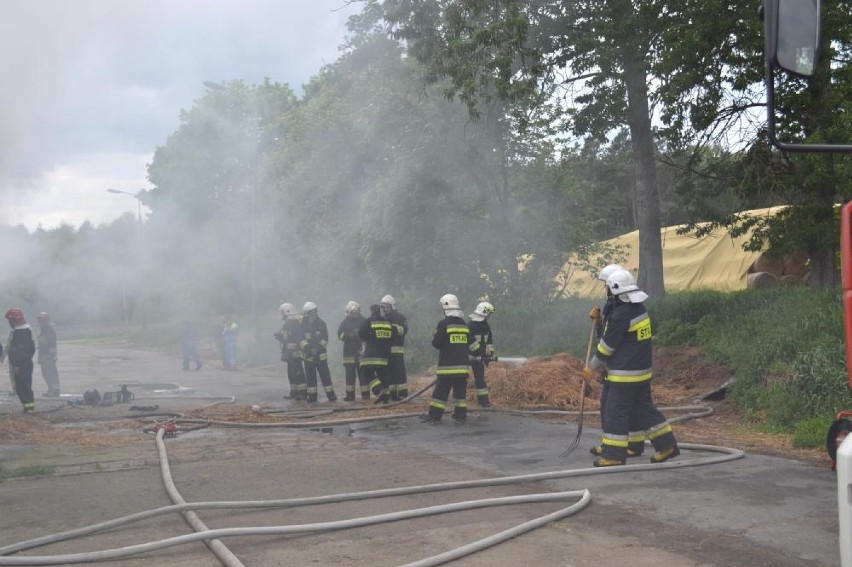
point(785, 346)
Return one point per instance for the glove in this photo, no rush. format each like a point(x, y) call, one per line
point(589, 374)
point(595, 313)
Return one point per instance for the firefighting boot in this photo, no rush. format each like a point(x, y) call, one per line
point(632, 453)
point(330, 395)
point(665, 454)
point(483, 400)
point(382, 398)
point(430, 419)
point(312, 398)
point(350, 397)
point(605, 462)
point(376, 387)
point(597, 450)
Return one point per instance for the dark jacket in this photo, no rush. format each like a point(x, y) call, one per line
point(348, 333)
point(377, 334)
point(626, 344)
point(452, 338)
point(400, 329)
point(21, 348)
point(290, 336)
point(482, 343)
point(314, 339)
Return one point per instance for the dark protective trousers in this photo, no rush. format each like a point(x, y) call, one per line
point(444, 385)
point(398, 376)
point(354, 374)
point(296, 378)
point(377, 378)
point(629, 416)
point(478, 369)
point(311, 369)
point(23, 377)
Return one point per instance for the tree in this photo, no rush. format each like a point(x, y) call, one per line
point(713, 62)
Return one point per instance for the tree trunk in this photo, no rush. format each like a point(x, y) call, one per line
point(647, 201)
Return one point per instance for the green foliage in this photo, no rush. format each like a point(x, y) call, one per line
point(785, 346)
point(811, 432)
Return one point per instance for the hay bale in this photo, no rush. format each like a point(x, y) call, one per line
point(764, 263)
point(796, 264)
point(543, 382)
point(762, 280)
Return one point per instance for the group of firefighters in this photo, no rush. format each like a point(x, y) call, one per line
point(374, 350)
point(374, 358)
point(20, 350)
point(374, 353)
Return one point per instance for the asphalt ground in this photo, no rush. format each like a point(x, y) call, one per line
point(753, 511)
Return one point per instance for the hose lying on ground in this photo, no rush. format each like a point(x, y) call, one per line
point(228, 559)
point(725, 454)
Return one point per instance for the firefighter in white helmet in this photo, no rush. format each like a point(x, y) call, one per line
point(396, 363)
point(626, 350)
point(452, 339)
point(481, 350)
point(289, 337)
point(347, 332)
point(314, 345)
point(600, 319)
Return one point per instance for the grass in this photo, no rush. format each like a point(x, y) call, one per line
point(785, 346)
point(26, 471)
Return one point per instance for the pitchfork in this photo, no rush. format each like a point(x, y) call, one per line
point(576, 442)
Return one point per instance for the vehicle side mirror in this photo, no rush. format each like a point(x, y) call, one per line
point(792, 29)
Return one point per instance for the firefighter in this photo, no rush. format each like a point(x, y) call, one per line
point(352, 346)
point(481, 350)
point(20, 349)
point(377, 334)
point(626, 350)
point(636, 441)
point(47, 354)
point(396, 363)
point(314, 345)
point(452, 338)
point(289, 337)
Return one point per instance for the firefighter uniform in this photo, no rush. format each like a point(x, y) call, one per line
point(314, 345)
point(481, 350)
point(630, 413)
point(20, 350)
point(377, 334)
point(396, 363)
point(289, 337)
point(352, 345)
point(452, 338)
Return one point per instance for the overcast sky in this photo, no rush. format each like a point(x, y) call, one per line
point(91, 87)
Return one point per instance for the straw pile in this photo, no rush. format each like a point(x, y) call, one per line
point(16, 430)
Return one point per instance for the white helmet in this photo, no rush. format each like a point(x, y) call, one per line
point(388, 300)
point(287, 310)
point(449, 301)
point(605, 273)
point(352, 307)
point(309, 306)
point(622, 284)
point(482, 311)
